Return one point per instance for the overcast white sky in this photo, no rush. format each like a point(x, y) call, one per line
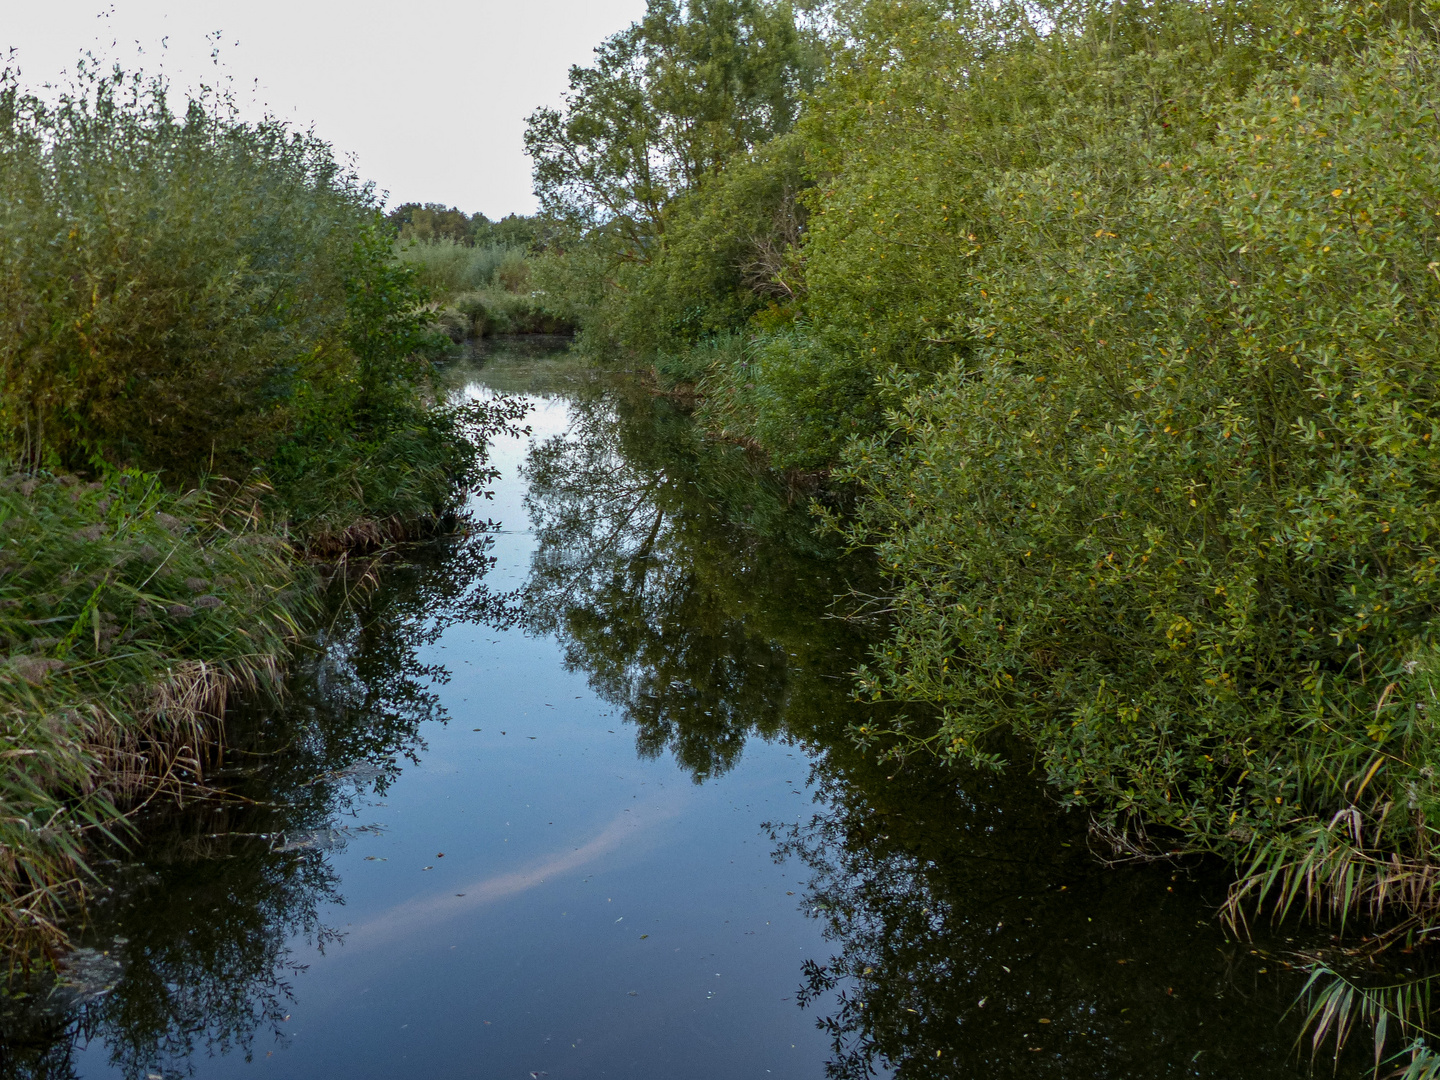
point(429, 96)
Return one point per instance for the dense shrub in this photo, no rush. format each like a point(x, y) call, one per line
point(1171, 512)
point(790, 393)
point(730, 250)
point(173, 289)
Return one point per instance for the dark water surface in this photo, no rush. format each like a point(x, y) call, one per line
point(573, 798)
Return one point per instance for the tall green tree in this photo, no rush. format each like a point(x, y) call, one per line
point(667, 103)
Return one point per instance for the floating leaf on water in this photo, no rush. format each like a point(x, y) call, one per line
point(310, 840)
point(85, 975)
point(361, 770)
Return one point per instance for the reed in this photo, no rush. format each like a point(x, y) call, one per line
point(128, 617)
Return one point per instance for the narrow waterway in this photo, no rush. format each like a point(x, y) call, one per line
point(571, 796)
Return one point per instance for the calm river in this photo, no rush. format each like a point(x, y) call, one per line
point(571, 797)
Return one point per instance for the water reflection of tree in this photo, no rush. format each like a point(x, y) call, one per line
point(975, 934)
point(963, 911)
point(200, 917)
point(684, 581)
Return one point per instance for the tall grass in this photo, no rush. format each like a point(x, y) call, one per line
point(481, 290)
point(128, 615)
point(447, 269)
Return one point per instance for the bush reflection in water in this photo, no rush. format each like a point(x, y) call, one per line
point(686, 582)
point(975, 931)
point(192, 938)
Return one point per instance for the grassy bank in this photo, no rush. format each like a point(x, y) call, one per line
point(129, 614)
point(214, 383)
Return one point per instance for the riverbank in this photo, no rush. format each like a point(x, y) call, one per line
point(217, 386)
point(132, 615)
point(1129, 366)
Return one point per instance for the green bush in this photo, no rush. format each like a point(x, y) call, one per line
point(1171, 513)
point(788, 393)
point(731, 247)
point(174, 290)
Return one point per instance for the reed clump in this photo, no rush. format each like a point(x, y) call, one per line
point(128, 615)
point(481, 289)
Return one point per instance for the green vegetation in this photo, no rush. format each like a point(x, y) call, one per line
point(644, 172)
point(210, 365)
point(1121, 322)
point(477, 271)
